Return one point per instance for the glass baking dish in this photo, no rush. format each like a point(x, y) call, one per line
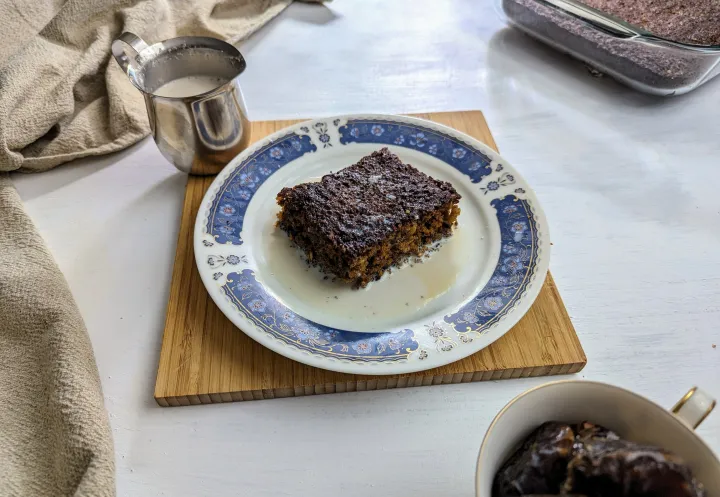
point(637, 58)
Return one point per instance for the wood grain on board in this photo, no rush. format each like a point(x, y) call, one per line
point(206, 359)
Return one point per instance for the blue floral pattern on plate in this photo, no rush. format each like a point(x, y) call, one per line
point(518, 257)
point(464, 158)
point(228, 211)
point(510, 280)
point(253, 301)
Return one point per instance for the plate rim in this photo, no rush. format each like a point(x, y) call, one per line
point(498, 329)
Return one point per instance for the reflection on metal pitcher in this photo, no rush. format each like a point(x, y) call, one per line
point(195, 106)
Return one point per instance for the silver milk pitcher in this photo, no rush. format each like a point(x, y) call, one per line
point(201, 133)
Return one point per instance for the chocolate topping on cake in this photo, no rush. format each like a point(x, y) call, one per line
point(358, 206)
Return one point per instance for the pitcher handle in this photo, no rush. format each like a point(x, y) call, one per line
point(694, 407)
point(126, 49)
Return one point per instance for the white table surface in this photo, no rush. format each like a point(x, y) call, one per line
point(629, 184)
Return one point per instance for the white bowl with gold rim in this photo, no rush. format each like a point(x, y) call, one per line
point(628, 414)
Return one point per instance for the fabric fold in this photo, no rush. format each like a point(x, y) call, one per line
point(54, 432)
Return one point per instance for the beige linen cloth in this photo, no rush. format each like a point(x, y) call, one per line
point(61, 98)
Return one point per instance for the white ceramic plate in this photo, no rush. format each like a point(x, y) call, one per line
point(462, 298)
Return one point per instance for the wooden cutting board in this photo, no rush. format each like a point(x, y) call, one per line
point(205, 359)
